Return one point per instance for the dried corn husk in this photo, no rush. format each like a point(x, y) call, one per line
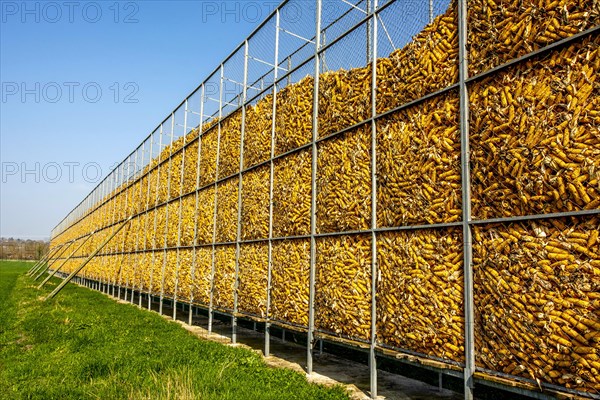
point(418, 164)
point(344, 182)
point(224, 278)
point(208, 156)
point(420, 292)
point(535, 138)
point(292, 195)
point(343, 286)
point(227, 211)
point(537, 295)
point(257, 133)
point(344, 99)
point(293, 119)
point(499, 32)
point(255, 203)
point(205, 215)
point(253, 275)
point(201, 276)
point(229, 147)
point(289, 281)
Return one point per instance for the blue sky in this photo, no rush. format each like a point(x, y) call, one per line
point(84, 82)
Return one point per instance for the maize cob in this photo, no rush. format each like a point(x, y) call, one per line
point(343, 286)
point(255, 204)
point(524, 309)
point(420, 292)
point(224, 277)
point(344, 182)
point(253, 274)
point(418, 166)
point(257, 133)
point(289, 281)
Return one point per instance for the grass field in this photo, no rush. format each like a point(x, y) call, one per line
point(83, 345)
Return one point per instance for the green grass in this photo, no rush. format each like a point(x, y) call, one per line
point(83, 345)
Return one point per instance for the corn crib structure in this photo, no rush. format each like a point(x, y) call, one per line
point(419, 180)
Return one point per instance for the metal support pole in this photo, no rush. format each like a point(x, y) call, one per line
point(41, 285)
point(147, 268)
point(271, 175)
point(179, 227)
point(212, 275)
point(239, 216)
point(154, 248)
point(313, 207)
point(194, 255)
point(166, 236)
point(372, 57)
point(126, 188)
point(466, 202)
point(137, 233)
point(114, 213)
point(430, 11)
point(52, 260)
point(87, 260)
point(42, 260)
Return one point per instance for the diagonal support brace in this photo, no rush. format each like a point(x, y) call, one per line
point(42, 260)
point(41, 269)
point(64, 262)
point(87, 260)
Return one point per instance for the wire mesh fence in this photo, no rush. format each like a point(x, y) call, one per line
point(352, 182)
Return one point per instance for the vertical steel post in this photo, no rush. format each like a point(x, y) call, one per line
point(166, 237)
point(131, 213)
point(466, 201)
point(271, 174)
point(313, 206)
point(148, 266)
point(137, 237)
point(212, 274)
point(239, 216)
point(372, 56)
point(179, 227)
point(154, 236)
point(125, 188)
point(195, 250)
point(114, 219)
point(430, 11)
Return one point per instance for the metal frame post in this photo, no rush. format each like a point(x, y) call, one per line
point(155, 209)
point(239, 213)
point(374, 263)
point(267, 350)
point(214, 249)
point(114, 218)
point(179, 227)
point(167, 202)
point(313, 207)
point(146, 211)
point(463, 69)
point(195, 242)
point(129, 252)
point(137, 238)
point(125, 188)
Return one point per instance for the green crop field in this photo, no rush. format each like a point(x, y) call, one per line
point(83, 345)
